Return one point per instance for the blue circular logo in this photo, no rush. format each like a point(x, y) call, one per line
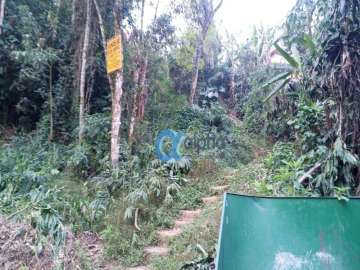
point(176, 140)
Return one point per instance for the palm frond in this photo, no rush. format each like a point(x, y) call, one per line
point(279, 77)
point(291, 60)
point(277, 89)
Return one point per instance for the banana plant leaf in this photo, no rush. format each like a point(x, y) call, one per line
point(291, 60)
point(204, 264)
point(208, 263)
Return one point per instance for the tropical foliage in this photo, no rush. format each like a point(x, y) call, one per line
point(77, 144)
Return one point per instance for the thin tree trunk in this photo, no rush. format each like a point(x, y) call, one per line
point(310, 21)
point(51, 105)
point(142, 17)
point(143, 89)
point(138, 76)
point(76, 44)
point(232, 84)
point(103, 38)
point(90, 74)
point(195, 70)
point(2, 14)
point(73, 13)
point(89, 88)
point(83, 72)
point(134, 104)
point(156, 9)
point(133, 118)
point(116, 103)
point(205, 23)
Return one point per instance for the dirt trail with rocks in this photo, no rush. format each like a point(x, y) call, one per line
point(17, 242)
point(185, 218)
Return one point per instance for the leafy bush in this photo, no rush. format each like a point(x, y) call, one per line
point(92, 155)
point(78, 161)
point(186, 118)
point(309, 125)
point(161, 182)
point(336, 175)
point(281, 154)
point(231, 142)
point(284, 169)
point(27, 167)
point(255, 112)
point(27, 162)
point(40, 208)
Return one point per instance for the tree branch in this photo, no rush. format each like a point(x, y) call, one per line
point(309, 173)
point(218, 6)
point(136, 220)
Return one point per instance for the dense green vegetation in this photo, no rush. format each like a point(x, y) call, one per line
point(77, 145)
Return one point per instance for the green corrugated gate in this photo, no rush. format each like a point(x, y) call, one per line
point(289, 234)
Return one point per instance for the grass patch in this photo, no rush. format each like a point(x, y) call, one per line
point(247, 178)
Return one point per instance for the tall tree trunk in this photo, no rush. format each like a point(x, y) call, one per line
point(142, 18)
point(83, 72)
point(232, 84)
point(156, 10)
point(78, 20)
point(134, 103)
point(310, 20)
point(116, 102)
point(137, 77)
point(205, 19)
point(89, 87)
point(73, 13)
point(133, 118)
point(51, 105)
point(2, 14)
point(143, 89)
point(91, 67)
point(116, 119)
point(103, 38)
point(195, 69)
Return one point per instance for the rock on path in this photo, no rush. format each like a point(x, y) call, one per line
point(210, 200)
point(156, 251)
point(139, 268)
point(219, 189)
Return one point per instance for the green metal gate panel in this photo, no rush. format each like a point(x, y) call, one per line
point(289, 234)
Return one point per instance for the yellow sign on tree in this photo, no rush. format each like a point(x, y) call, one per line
point(114, 55)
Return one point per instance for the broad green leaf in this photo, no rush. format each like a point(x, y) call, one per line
point(279, 77)
point(277, 89)
point(308, 43)
point(291, 60)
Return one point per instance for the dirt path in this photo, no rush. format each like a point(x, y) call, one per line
point(185, 218)
point(87, 248)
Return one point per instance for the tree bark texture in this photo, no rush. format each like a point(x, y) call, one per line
point(116, 102)
point(83, 72)
point(2, 14)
